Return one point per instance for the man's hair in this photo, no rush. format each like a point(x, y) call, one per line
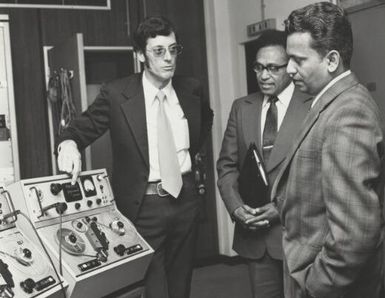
point(272, 38)
point(329, 27)
point(150, 28)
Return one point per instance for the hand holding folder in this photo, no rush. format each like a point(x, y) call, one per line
point(252, 181)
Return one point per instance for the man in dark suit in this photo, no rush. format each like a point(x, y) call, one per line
point(153, 183)
point(257, 235)
point(330, 190)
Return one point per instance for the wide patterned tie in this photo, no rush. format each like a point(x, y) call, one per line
point(270, 130)
point(168, 161)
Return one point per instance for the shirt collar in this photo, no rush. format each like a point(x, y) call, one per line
point(330, 84)
point(284, 97)
point(150, 91)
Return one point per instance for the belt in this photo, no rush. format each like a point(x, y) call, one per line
point(155, 188)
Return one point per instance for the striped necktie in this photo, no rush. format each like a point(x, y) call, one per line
point(270, 129)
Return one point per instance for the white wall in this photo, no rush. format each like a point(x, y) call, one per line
point(226, 22)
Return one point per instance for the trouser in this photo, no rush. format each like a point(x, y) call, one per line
point(266, 277)
point(169, 225)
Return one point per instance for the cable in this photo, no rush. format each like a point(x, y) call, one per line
point(60, 245)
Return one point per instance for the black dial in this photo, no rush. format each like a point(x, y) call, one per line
point(55, 188)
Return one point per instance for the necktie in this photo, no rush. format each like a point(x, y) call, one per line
point(168, 161)
point(270, 130)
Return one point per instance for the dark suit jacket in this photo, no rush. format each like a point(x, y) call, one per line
point(244, 127)
point(330, 193)
point(120, 107)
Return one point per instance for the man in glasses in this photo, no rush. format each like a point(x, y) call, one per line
point(271, 119)
point(157, 124)
point(330, 190)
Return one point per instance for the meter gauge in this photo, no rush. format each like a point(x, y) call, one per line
point(88, 186)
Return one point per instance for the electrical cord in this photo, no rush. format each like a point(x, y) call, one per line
point(60, 245)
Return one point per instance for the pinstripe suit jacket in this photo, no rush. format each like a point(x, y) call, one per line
point(243, 128)
point(330, 193)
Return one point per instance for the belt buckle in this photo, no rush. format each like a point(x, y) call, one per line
point(160, 191)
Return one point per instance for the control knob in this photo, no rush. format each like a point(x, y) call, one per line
point(120, 249)
point(55, 188)
point(72, 238)
point(77, 206)
point(61, 208)
point(118, 227)
point(28, 285)
point(27, 253)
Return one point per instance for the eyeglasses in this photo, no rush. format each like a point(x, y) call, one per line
point(174, 50)
point(271, 68)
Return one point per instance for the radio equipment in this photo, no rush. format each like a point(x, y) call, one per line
point(93, 245)
point(25, 269)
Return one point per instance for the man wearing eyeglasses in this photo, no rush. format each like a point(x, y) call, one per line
point(270, 118)
point(157, 124)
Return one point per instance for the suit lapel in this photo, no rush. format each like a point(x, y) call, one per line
point(134, 111)
point(298, 108)
point(251, 123)
point(314, 113)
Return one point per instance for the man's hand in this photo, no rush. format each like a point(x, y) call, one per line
point(245, 214)
point(69, 159)
point(264, 216)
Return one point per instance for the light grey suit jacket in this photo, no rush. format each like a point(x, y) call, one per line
point(244, 127)
point(330, 192)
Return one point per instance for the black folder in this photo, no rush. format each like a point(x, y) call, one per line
point(252, 181)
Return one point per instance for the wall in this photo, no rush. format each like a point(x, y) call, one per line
point(227, 69)
point(30, 30)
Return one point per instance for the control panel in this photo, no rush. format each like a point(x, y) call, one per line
point(25, 270)
point(48, 198)
point(94, 246)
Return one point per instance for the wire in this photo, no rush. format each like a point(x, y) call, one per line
point(60, 245)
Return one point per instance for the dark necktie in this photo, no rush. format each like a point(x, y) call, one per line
point(270, 130)
point(168, 160)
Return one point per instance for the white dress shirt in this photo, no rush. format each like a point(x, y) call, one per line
point(178, 122)
point(331, 83)
point(282, 104)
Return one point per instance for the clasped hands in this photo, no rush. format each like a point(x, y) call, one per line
point(256, 218)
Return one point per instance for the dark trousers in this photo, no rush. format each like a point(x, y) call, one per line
point(266, 277)
point(169, 225)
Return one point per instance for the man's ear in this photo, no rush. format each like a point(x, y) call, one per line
point(333, 60)
point(141, 56)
